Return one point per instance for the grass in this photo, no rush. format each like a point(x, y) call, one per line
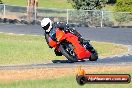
point(50, 4)
point(63, 82)
point(109, 7)
point(42, 3)
point(15, 49)
point(63, 4)
point(23, 49)
point(107, 49)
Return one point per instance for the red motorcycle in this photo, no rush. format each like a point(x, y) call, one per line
point(67, 44)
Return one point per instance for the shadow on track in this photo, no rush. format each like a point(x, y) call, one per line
point(114, 60)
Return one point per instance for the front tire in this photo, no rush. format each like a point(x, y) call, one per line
point(67, 54)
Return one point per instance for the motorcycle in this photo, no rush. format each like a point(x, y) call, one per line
point(68, 44)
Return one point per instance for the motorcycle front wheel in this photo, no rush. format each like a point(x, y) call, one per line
point(68, 52)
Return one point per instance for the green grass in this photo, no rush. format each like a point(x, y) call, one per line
point(51, 4)
point(63, 82)
point(15, 49)
point(109, 7)
point(42, 3)
point(107, 49)
point(23, 49)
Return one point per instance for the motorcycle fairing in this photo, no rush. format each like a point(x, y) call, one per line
point(80, 51)
point(52, 43)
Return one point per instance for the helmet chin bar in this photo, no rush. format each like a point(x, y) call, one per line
point(46, 27)
point(49, 29)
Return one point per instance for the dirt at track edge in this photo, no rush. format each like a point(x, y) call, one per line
point(50, 73)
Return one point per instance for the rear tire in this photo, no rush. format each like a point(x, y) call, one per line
point(66, 54)
point(94, 56)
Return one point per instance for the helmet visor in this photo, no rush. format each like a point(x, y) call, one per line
point(46, 27)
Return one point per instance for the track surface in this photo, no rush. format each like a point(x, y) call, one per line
point(115, 35)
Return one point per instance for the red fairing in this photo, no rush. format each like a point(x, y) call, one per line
point(60, 35)
point(52, 43)
point(80, 51)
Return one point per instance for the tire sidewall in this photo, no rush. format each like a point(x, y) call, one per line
point(67, 55)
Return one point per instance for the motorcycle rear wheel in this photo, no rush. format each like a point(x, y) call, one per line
point(94, 56)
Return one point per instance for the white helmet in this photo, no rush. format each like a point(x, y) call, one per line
point(46, 24)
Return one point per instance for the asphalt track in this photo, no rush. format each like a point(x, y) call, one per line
point(114, 35)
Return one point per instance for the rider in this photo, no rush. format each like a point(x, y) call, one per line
point(50, 28)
